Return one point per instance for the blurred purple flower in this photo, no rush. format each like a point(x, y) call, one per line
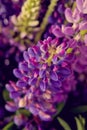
point(82, 6)
point(63, 31)
point(11, 106)
point(80, 64)
point(7, 9)
point(83, 25)
point(20, 120)
point(85, 39)
point(72, 16)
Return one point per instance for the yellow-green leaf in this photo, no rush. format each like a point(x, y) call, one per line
point(80, 109)
point(8, 126)
point(64, 124)
point(23, 111)
point(6, 95)
point(79, 124)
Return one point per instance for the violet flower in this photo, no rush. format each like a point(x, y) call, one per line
point(9, 8)
point(45, 78)
point(82, 6)
point(80, 64)
point(46, 61)
point(83, 25)
point(20, 120)
point(63, 31)
point(72, 16)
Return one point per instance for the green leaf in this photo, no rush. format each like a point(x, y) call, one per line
point(64, 124)
point(80, 109)
point(8, 126)
point(83, 32)
point(79, 123)
point(82, 119)
point(23, 111)
point(44, 23)
point(60, 107)
point(6, 95)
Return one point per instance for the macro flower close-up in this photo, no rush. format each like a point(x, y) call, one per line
point(43, 65)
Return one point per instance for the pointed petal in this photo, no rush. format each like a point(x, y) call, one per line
point(31, 52)
point(68, 15)
point(33, 110)
point(17, 73)
point(65, 71)
point(44, 116)
point(55, 85)
point(26, 56)
point(23, 66)
point(10, 106)
point(85, 40)
point(83, 26)
point(9, 88)
point(76, 15)
point(68, 31)
point(43, 86)
point(21, 84)
point(32, 81)
point(57, 31)
point(79, 4)
point(85, 7)
point(14, 94)
point(54, 76)
point(42, 73)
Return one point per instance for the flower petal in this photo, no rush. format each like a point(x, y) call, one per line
point(23, 66)
point(45, 116)
point(26, 56)
point(10, 106)
point(54, 76)
point(42, 73)
point(68, 31)
point(17, 73)
point(55, 85)
point(14, 94)
point(57, 31)
point(83, 26)
point(43, 86)
point(21, 83)
point(9, 88)
point(79, 4)
point(68, 15)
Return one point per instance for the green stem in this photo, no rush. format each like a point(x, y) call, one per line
point(45, 19)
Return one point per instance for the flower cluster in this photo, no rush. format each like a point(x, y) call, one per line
point(78, 19)
point(45, 78)
point(75, 29)
point(54, 63)
point(7, 9)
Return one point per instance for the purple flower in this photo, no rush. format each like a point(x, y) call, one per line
point(29, 127)
point(83, 25)
point(11, 106)
point(80, 64)
point(72, 16)
point(43, 78)
point(82, 6)
point(85, 39)
point(20, 120)
point(43, 65)
point(63, 31)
